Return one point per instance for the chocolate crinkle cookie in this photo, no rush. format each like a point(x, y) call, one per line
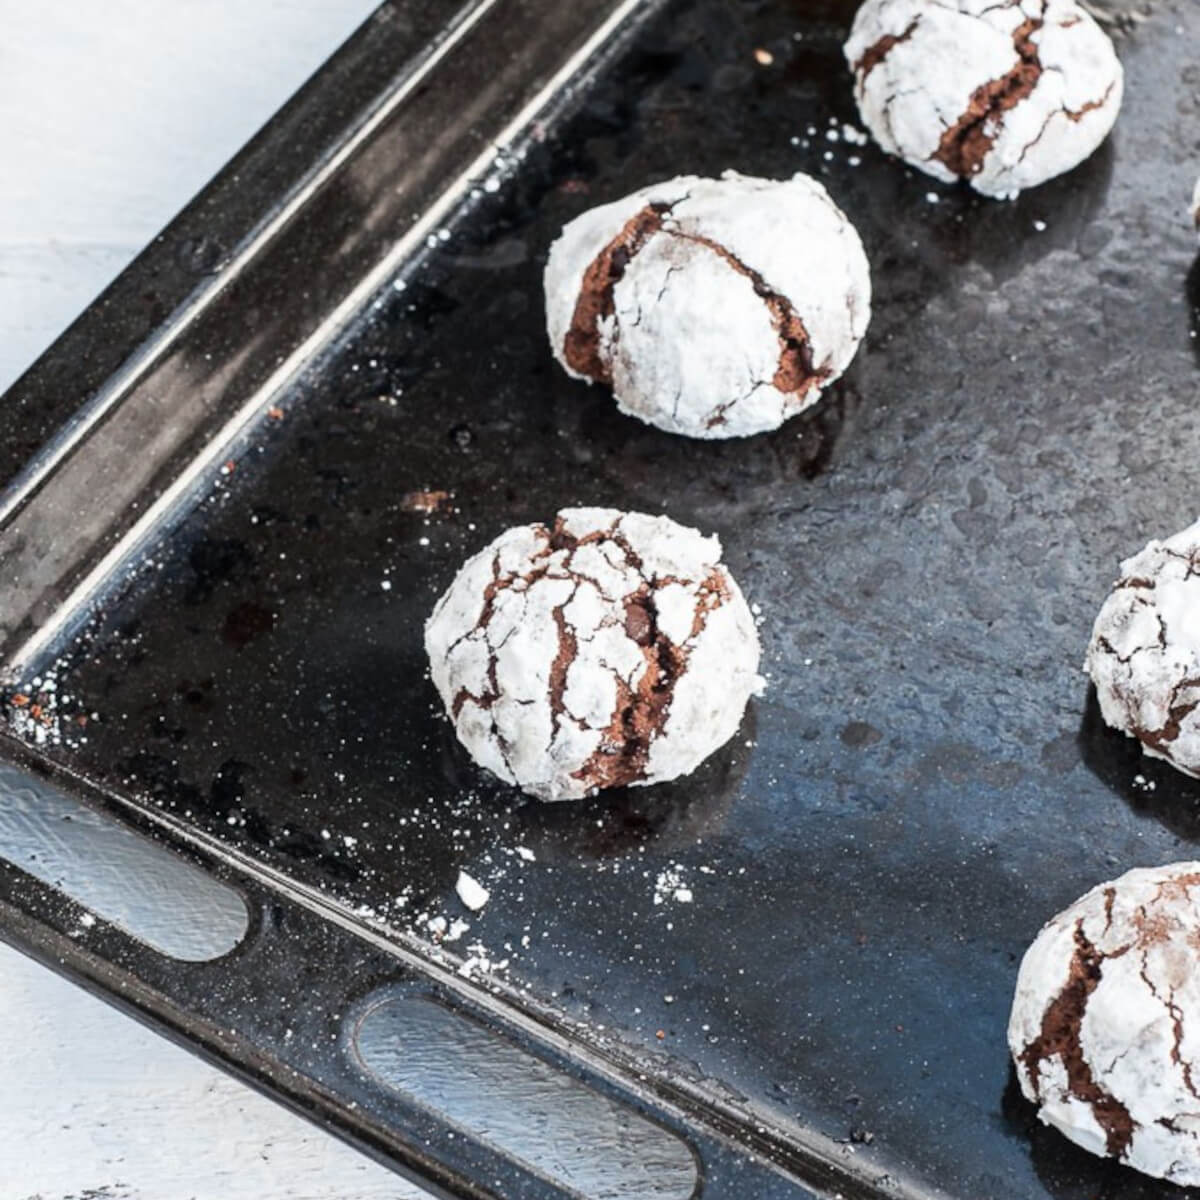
point(1003, 95)
point(612, 649)
point(714, 308)
point(1144, 654)
point(1105, 1025)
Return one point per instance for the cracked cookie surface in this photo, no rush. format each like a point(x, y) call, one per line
point(611, 649)
point(1005, 94)
point(1144, 656)
point(713, 308)
point(1105, 1025)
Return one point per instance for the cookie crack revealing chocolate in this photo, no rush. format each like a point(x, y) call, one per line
point(1176, 1014)
point(1077, 114)
point(1103, 644)
point(568, 643)
point(642, 711)
point(876, 53)
point(796, 374)
point(568, 648)
point(1159, 739)
point(1110, 896)
point(966, 143)
point(1060, 1036)
point(497, 584)
point(1178, 887)
point(582, 346)
point(1188, 559)
point(562, 539)
point(1072, 114)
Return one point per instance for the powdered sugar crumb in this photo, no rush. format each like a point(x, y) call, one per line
point(472, 893)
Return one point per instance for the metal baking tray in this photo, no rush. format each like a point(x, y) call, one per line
point(223, 526)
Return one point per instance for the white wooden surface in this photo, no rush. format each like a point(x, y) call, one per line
point(113, 113)
point(94, 1105)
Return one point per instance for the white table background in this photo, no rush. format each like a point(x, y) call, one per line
point(113, 114)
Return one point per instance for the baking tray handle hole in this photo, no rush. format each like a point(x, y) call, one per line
point(550, 1123)
point(115, 873)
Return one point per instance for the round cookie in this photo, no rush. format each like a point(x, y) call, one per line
point(713, 308)
point(1105, 1025)
point(1144, 655)
point(611, 650)
point(1005, 96)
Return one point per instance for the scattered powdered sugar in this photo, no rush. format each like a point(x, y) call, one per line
point(39, 713)
point(480, 962)
point(671, 884)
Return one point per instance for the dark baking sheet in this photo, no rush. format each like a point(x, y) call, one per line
point(926, 780)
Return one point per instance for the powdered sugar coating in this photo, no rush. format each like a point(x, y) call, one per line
point(1005, 95)
point(1144, 654)
point(738, 301)
point(613, 649)
point(1105, 1024)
